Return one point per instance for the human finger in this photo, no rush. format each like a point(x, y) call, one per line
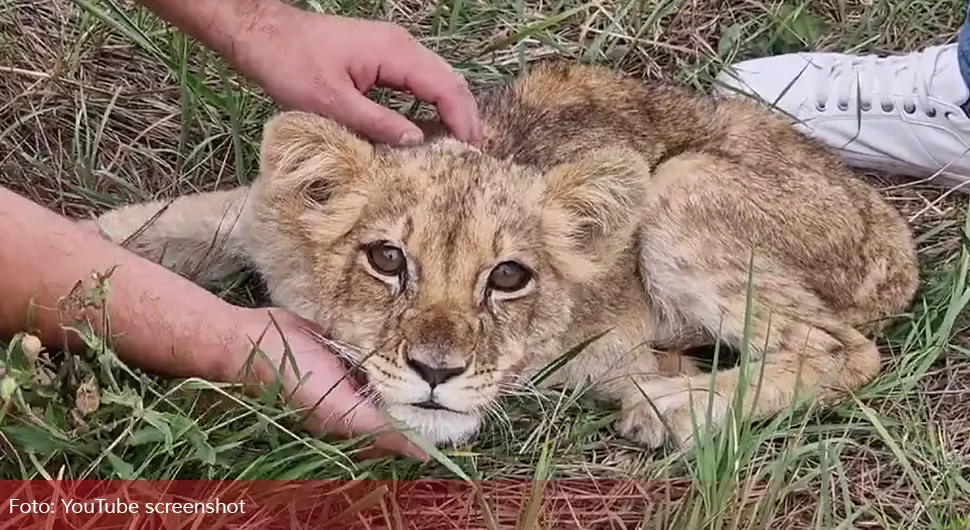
point(431, 79)
point(368, 118)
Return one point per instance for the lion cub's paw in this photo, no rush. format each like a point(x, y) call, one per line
point(676, 404)
point(640, 423)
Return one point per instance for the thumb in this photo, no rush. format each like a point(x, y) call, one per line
point(375, 121)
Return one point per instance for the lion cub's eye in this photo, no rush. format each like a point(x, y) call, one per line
point(509, 276)
point(386, 259)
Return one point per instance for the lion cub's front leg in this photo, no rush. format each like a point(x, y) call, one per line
point(641, 401)
point(657, 409)
point(642, 364)
point(197, 236)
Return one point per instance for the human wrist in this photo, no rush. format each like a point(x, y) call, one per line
point(247, 37)
point(247, 333)
point(232, 344)
point(190, 330)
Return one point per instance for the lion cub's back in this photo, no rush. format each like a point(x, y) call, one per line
point(558, 112)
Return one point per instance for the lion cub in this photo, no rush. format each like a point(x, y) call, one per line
point(597, 203)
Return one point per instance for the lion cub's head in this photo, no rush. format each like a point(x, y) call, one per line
point(451, 272)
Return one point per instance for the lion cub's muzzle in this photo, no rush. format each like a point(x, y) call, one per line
point(437, 397)
point(435, 366)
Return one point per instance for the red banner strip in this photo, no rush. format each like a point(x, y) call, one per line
point(365, 504)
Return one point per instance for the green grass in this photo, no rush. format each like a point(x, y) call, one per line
point(101, 104)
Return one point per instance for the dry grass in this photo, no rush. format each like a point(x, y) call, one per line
point(97, 108)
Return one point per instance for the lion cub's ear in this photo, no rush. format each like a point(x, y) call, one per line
point(592, 210)
point(309, 157)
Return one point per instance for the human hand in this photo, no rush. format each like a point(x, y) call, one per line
point(325, 64)
point(325, 385)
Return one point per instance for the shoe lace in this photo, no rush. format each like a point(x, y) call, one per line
point(873, 79)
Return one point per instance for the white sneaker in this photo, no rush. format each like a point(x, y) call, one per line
point(899, 114)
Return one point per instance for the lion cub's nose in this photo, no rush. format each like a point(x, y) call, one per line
point(432, 374)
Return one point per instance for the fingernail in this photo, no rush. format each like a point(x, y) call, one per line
point(416, 453)
point(411, 138)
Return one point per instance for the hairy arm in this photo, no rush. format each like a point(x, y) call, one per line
point(229, 27)
point(159, 320)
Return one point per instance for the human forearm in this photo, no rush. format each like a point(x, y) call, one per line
point(157, 320)
point(236, 29)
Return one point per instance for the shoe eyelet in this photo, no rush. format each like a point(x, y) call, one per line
point(843, 106)
point(820, 106)
point(888, 107)
point(931, 113)
point(865, 106)
point(909, 109)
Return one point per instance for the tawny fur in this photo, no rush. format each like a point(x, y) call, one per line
point(638, 206)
